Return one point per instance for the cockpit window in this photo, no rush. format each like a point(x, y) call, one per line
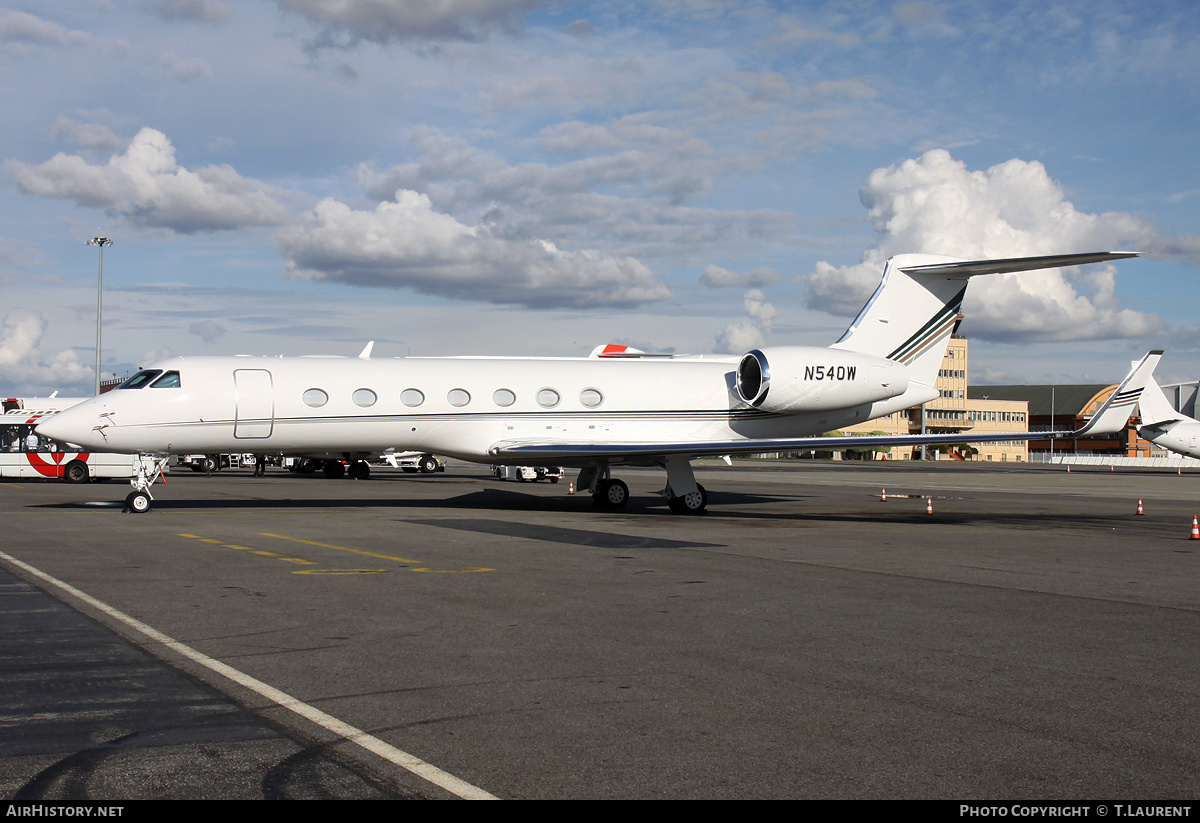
point(140, 379)
point(170, 380)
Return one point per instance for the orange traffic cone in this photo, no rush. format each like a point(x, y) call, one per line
point(1068, 468)
point(1195, 529)
point(1112, 468)
point(1139, 508)
point(570, 488)
point(929, 505)
point(883, 495)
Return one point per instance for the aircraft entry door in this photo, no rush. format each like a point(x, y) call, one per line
point(255, 416)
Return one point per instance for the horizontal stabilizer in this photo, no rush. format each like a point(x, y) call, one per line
point(970, 268)
point(1113, 416)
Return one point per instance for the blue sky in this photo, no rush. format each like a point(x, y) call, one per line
point(524, 177)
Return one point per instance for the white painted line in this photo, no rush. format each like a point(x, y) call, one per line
point(369, 742)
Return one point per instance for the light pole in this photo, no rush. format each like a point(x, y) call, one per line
point(101, 242)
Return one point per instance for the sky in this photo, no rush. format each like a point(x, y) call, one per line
point(526, 177)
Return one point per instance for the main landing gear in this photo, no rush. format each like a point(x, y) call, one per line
point(138, 500)
point(684, 495)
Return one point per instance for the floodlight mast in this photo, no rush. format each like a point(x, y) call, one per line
point(101, 242)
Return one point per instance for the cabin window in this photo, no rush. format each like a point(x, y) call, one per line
point(548, 398)
point(504, 397)
point(458, 397)
point(412, 397)
point(170, 380)
point(140, 379)
point(315, 398)
point(364, 397)
point(591, 398)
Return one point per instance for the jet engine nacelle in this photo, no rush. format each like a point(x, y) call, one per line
point(802, 378)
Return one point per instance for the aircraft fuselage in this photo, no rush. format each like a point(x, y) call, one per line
point(463, 406)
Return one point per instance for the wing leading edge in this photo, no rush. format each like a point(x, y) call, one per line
point(1111, 417)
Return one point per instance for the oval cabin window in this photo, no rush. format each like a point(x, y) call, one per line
point(591, 398)
point(458, 397)
point(548, 398)
point(503, 397)
point(412, 397)
point(364, 397)
point(315, 398)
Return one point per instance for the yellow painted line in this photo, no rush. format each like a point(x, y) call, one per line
point(239, 548)
point(341, 548)
point(265, 554)
point(454, 571)
point(298, 560)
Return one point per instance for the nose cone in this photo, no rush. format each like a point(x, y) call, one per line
point(79, 425)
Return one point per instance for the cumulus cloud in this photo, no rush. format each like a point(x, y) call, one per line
point(934, 204)
point(716, 277)
point(23, 365)
point(147, 187)
point(207, 330)
point(406, 244)
point(627, 201)
point(381, 21)
point(749, 332)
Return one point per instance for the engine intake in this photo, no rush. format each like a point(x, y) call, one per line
point(793, 379)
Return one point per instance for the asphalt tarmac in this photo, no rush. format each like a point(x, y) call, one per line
point(450, 635)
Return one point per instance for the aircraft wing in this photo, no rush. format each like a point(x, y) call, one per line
point(553, 450)
point(1112, 417)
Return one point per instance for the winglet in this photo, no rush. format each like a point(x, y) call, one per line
point(365, 354)
point(1113, 416)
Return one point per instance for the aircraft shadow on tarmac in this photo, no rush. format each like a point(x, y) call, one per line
point(723, 505)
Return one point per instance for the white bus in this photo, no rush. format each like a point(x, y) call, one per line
point(23, 453)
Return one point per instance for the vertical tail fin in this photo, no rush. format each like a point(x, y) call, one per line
point(1154, 407)
point(916, 307)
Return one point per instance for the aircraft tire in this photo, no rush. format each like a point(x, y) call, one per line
point(334, 469)
point(210, 464)
point(428, 464)
point(611, 494)
point(306, 466)
point(360, 470)
point(694, 503)
point(137, 502)
point(76, 472)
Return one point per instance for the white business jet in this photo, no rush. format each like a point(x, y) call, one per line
point(616, 407)
point(1163, 426)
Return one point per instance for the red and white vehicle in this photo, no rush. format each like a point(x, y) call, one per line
point(24, 453)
